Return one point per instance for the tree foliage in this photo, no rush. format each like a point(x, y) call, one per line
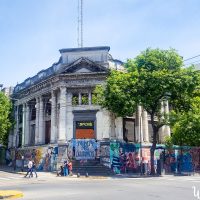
point(5, 118)
point(117, 94)
point(153, 77)
point(186, 125)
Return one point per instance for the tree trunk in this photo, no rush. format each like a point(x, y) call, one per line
point(153, 147)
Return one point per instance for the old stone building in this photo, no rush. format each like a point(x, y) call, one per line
point(58, 104)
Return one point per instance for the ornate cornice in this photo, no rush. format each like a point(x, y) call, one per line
point(73, 80)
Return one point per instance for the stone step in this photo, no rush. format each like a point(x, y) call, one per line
point(92, 167)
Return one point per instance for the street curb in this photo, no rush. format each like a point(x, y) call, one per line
point(10, 194)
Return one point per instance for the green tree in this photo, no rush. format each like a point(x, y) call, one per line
point(117, 94)
point(5, 118)
point(153, 77)
point(186, 126)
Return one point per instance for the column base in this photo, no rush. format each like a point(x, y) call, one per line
point(53, 142)
point(61, 141)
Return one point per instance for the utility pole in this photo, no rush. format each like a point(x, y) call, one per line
point(80, 24)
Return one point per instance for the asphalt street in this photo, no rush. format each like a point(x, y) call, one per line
point(47, 186)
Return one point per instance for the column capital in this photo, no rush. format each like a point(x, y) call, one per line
point(63, 89)
point(53, 93)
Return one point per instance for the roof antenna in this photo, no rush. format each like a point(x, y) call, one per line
point(80, 24)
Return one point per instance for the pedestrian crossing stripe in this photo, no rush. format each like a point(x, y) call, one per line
point(10, 178)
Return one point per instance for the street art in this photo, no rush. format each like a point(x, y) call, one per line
point(85, 149)
point(182, 159)
point(62, 154)
point(105, 154)
point(195, 153)
point(120, 157)
point(129, 157)
point(114, 157)
point(70, 150)
point(45, 157)
point(124, 157)
point(49, 159)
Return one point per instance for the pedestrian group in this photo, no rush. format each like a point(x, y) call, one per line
point(65, 169)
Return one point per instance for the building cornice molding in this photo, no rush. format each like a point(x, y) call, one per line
point(66, 80)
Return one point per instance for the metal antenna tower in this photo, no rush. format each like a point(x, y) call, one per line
point(80, 24)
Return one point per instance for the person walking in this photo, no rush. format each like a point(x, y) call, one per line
point(33, 169)
point(30, 165)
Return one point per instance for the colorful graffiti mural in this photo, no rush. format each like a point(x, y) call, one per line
point(114, 157)
point(85, 149)
point(105, 154)
point(121, 157)
point(45, 157)
point(62, 154)
point(182, 159)
point(124, 157)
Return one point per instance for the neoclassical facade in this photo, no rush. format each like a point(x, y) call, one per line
point(59, 104)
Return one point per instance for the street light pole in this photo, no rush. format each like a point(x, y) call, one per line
point(141, 138)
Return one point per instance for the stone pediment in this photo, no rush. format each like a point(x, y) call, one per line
point(84, 65)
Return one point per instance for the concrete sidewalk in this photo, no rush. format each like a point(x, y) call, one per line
point(128, 175)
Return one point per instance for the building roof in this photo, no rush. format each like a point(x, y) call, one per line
point(56, 67)
point(85, 49)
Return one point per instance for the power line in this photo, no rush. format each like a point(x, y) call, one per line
point(191, 58)
point(194, 62)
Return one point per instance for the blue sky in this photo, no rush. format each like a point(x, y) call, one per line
point(32, 31)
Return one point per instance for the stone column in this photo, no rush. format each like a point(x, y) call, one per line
point(69, 115)
point(27, 125)
point(23, 123)
point(37, 121)
point(62, 116)
point(53, 117)
point(41, 122)
point(119, 128)
point(112, 126)
point(16, 128)
point(138, 123)
point(145, 126)
point(79, 99)
point(90, 98)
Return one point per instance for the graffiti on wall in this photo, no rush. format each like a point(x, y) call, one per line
point(62, 154)
point(121, 157)
point(195, 154)
point(45, 158)
point(85, 149)
point(114, 157)
point(182, 159)
point(130, 156)
point(48, 161)
point(105, 154)
point(124, 157)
